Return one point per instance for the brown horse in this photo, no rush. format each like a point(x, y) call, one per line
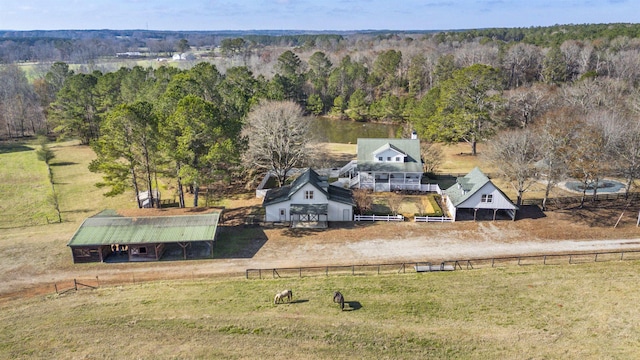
point(281, 295)
point(338, 298)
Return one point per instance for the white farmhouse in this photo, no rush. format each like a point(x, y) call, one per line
point(386, 165)
point(309, 201)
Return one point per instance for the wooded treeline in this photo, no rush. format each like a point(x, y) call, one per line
point(186, 124)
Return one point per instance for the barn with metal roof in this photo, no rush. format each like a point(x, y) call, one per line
point(143, 238)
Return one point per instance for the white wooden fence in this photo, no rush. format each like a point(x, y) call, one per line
point(432, 219)
point(378, 218)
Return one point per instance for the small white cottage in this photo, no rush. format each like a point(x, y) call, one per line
point(309, 201)
point(476, 192)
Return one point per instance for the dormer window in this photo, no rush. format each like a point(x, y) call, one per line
point(486, 198)
point(308, 195)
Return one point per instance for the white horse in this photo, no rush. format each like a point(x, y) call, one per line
point(281, 295)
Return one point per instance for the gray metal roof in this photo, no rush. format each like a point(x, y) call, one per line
point(284, 193)
point(104, 229)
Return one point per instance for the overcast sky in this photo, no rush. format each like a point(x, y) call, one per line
point(309, 14)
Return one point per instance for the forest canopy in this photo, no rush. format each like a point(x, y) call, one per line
point(190, 116)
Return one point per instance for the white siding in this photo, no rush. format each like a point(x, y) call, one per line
point(272, 212)
point(318, 196)
point(336, 211)
point(499, 201)
point(389, 153)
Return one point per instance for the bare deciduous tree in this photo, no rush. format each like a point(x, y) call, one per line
point(432, 156)
point(525, 104)
point(556, 131)
point(591, 155)
point(362, 198)
point(514, 154)
point(394, 201)
point(279, 138)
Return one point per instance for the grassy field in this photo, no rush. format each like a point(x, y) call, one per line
point(30, 240)
point(569, 312)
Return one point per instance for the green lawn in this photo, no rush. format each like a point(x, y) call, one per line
point(30, 241)
point(568, 312)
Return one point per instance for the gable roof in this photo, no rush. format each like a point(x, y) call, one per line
point(108, 228)
point(409, 147)
point(468, 185)
point(388, 146)
point(284, 193)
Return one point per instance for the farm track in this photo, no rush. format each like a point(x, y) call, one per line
point(358, 244)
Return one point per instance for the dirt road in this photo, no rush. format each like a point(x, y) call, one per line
point(353, 245)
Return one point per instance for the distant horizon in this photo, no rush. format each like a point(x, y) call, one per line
point(309, 15)
point(323, 31)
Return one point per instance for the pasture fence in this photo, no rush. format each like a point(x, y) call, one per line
point(419, 266)
point(378, 218)
point(559, 201)
point(432, 219)
point(65, 287)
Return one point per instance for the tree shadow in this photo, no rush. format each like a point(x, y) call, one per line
point(238, 242)
point(63, 163)
point(7, 147)
point(601, 213)
point(302, 232)
point(333, 225)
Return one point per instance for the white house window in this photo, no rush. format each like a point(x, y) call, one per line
point(388, 158)
point(308, 195)
point(397, 158)
point(486, 198)
point(380, 158)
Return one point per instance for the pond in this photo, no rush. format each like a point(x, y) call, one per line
point(346, 131)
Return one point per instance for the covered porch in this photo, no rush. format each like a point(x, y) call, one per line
point(389, 181)
point(310, 216)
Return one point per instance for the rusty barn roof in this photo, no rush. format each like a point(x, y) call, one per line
point(103, 229)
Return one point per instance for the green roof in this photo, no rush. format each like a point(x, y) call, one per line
point(469, 185)
point(103, 229)
point(410, 147)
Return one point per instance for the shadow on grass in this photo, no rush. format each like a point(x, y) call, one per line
point(299, 301)
point(352, 305)
point(63, 163)
point(238, 242)
point(6, 148)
